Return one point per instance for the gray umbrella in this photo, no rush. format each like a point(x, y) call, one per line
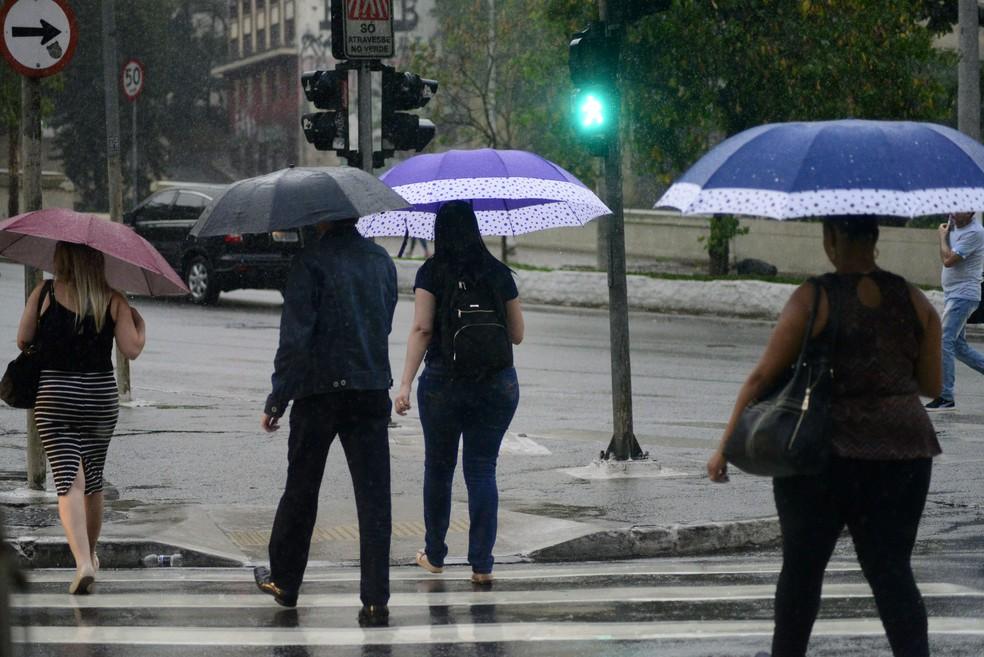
point(296, 197)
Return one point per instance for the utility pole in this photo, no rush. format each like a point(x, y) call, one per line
point(969, 77)
point(31, 142)
point(623, 445)
point(114, 162)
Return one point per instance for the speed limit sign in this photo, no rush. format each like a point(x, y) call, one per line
point(133, 79)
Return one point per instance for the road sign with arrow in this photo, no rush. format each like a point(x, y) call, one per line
point(39, 36)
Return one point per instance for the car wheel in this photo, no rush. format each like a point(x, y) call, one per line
point(201, 281)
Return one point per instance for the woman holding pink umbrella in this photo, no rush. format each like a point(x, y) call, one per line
point(76, 318)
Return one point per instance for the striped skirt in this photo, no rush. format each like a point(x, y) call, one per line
point(76, 415)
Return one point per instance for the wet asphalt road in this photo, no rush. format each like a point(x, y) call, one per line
point(199, 388)
point(678, 608)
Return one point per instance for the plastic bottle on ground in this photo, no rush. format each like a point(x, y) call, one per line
point(162, 560)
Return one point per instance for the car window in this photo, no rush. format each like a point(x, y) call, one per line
point(189, 206)
point(157, 207)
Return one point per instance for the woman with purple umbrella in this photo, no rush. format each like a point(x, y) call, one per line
point(467, 316)
point(75, 319)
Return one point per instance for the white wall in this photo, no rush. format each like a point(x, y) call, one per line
point(795, 247)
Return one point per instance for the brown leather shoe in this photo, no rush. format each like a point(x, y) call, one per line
point(283, 597)
point(374, 616)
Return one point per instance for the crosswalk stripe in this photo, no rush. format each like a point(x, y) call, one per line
point(634, 594)
point(460, 633)
point(415, 574)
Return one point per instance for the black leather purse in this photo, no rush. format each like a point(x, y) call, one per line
point(19, 385)
point(786, 432)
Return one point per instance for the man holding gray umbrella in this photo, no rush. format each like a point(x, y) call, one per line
point(332, 362)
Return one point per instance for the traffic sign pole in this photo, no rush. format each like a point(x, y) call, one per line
point(114, 164)
point(31, 140)
point(38, 39)
point(132, 81)
point(365, 116)
point(133, 159)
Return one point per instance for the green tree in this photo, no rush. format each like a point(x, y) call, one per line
point(178, 42)
point(507, 87)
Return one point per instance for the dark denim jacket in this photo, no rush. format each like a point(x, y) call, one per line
point(334, 329)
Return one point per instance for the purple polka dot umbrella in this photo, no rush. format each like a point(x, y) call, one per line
point(788, 170)
point(512, 192)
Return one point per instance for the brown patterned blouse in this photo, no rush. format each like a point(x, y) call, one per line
point(876, 412)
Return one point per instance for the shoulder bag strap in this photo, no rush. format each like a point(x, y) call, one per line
point(46, 292)
point(809, 325)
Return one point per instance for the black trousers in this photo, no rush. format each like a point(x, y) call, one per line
point(881, 503)
point(359, 419)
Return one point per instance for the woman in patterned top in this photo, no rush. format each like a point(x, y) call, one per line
point(886, 353)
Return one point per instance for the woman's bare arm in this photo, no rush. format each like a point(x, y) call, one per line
point(515, 325)
point(929, 367)
point(780, 353)
point(131, 333)
point(29, 319)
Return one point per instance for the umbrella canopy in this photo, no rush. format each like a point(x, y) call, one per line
point(132, 264)
point(787, 170)
point(512, 192)
point(293, 198)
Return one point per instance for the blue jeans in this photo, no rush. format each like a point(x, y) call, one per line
point(478, 413)
point(955, 314)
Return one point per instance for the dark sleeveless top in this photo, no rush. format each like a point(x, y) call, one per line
point(75, 347)
point(876, 412)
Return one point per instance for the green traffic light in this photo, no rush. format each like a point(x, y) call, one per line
point(591, 112)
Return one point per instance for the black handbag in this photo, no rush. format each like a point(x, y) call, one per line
point(785, 433)
point(19, 385)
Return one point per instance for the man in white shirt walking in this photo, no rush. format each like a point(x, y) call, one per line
point(962, 253)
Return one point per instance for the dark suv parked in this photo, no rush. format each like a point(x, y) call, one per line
point(210, 265)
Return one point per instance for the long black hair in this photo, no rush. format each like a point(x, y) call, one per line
point(459, 251)
point(856, 228)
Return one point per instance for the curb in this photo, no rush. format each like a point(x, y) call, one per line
point(644, 541)
point(45, 552)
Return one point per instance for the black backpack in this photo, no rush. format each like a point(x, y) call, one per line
point(474, 339)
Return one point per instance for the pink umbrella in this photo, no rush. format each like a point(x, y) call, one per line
point(132, 264)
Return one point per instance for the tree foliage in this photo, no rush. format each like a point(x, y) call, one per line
point(708, 69)
point(178, 42)
point(507, 87)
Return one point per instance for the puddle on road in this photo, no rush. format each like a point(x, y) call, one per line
point(560, 511)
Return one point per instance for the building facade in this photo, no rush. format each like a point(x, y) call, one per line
point(270, 43)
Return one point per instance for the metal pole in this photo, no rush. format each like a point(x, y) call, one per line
point(623, 445)
point(133, 164)
point(31, 140)
point(6, 577)
point(365, 116)
point(969, 80)
point(603, 224)
point(114, 163)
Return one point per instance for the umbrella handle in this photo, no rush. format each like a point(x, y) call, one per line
point(406, 237)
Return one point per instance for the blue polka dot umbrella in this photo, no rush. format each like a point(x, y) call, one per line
point(512, 192)
point(790, 170)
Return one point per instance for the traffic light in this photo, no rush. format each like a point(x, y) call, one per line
point(327, 131)
point(405, 91)
point(595, 102)
point(328, 90)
